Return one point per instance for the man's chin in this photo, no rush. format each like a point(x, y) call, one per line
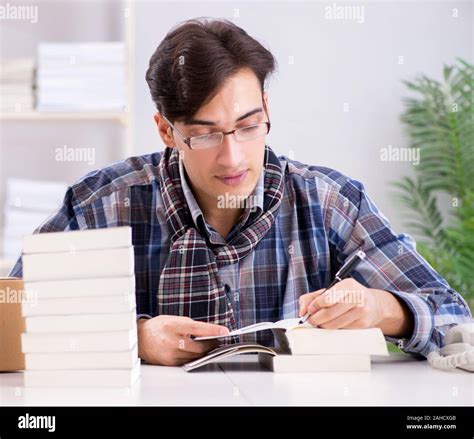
point(233, 196)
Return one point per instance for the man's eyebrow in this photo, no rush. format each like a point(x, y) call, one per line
point(212, 123)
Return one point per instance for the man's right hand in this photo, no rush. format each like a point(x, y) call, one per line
point(165, 340)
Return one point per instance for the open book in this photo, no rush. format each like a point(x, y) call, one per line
point(286, 324)
point(304, 348)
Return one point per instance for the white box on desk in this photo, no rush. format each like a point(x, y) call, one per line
point(78, 305)
point(82, 360)
point(107, 286)
point(81, 323)
point(85, 264)
point(79, 342)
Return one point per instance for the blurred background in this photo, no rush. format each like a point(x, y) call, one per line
point(73, 98)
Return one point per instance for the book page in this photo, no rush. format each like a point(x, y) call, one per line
point(290, 324)
point(227, 351)
point(281, 324)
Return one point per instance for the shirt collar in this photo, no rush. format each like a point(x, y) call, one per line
point(253, 204)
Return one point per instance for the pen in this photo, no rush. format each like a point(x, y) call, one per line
point(343, 272)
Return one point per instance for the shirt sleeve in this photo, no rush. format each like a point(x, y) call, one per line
point(392, 264)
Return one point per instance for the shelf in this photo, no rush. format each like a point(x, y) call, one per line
point(121, 117)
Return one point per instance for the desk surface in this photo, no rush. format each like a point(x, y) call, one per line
point(396, 380)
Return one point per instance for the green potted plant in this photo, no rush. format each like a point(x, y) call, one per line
point(439, 119)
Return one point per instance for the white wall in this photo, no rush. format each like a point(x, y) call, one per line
point(334, 62)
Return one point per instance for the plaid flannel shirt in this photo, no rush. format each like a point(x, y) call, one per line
point(324, 217)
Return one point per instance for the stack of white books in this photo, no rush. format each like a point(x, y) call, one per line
point(79, 309)
point(16, 85)
point(81, 76)
point(304, 348)
point(28, 203)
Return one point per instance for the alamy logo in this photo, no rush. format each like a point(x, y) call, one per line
point(37, 422)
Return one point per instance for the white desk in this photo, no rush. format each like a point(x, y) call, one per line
point(394, 380)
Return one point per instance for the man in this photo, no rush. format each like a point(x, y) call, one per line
point(227, 234)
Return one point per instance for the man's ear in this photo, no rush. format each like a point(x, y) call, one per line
point(164, 130)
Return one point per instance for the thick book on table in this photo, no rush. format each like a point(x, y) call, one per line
point(113, 262)
point(81, 323)
point(82, 360)
point(78, 240)
point(315, 363)
point(79, 305)
point(107, 286)
point(304, 348)
point(281, 361)
point(79, 342)
point(83, 378)
point(304, 339)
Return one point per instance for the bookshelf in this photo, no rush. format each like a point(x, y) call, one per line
point(120, 120)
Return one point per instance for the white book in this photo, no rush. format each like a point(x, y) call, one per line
point(93, 104)
point(16, 98)
point(82, 360)
point(59, 71)
point(222, 352)
point(285, 324)
point(15, 65)
point(76, 342)
point(78, 264)
point(83, 378)
point(80, 83)
point(16, 102)
point(280, 360)
point(82, 95)
point(82, 53)
point(117, 106)
point(15, 89)
point(81, 323)
point(77, 305)
point(314, 363)
point(90, 239)
point(110, 286)
point(302, 339)
point(16, 108)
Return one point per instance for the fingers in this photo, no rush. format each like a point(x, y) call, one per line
point(165, 340)
point(344, 291)
point(326, 315)
point(186, 344)
point(185, 357)
point(344, 320)
point(200, 329)
point(306, 299)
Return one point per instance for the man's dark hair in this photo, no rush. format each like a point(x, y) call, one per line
point(196, 58)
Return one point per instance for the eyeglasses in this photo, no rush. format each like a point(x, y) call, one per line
point(211, 140)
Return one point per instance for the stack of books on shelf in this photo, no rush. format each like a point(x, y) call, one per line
point(16, 85)
point(303, 348)
point(79, 309)
point(28, 203)
point(81, 76)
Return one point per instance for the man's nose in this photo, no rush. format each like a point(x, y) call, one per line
point(230, 153)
